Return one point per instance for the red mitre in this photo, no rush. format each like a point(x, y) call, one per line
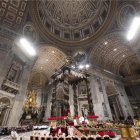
point(68, 111)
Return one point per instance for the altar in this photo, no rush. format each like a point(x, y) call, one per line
point(30, 110)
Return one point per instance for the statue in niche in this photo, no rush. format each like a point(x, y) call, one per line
point(105, 110)
point(42, 114)
point(100, 86)
point(14, 72)
point(126, 15)
point(12, 75)
point(30, 33)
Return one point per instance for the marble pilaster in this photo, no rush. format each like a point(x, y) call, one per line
point(97, 98)
point(16, 111)
point(71, 102)
point(106, 99)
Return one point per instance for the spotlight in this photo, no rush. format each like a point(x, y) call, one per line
point(81, 67)
point(87, 65)
point(26, 46)
point(114, 49)
point(106, 43)
point(73, 67)
point(133, 28)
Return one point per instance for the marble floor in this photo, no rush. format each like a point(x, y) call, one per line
point(26, 136)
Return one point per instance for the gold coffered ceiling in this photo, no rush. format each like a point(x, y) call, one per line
point(49, 59)
point(13, 13)
point(110, 52)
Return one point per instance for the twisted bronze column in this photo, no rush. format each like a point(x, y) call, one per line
point(89, 96)
point(66, 93)
point(53, 107)
point(75, 100)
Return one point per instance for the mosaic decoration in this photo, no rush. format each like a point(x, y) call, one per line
point(30, 33)
point(126, 15)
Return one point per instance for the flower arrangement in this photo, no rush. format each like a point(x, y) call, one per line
point(110, 134)
point(62, 117)
point(53, 118)
point(92, 117)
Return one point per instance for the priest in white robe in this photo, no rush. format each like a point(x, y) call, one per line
point(71, 131)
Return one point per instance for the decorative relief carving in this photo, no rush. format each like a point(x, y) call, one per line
point(30, 33)
point(99, 84)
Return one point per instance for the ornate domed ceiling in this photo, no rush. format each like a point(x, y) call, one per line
point(72, 21)
point(49, 59)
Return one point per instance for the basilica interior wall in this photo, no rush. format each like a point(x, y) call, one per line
point(108, 90)
point(15, 69)
point(132, 91)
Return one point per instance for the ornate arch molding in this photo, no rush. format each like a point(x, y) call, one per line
point(42, 79)
point(53, 46)
point(82, 43)
point(49, 58)
point(3, 98)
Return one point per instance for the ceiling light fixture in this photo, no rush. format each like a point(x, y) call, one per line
point(46, 59)
point(81, 67)
point(133, 28)
point(52, 51)
point(26, 46)
point(87, 65)
point(123, 55)
point(84, 66)
point(115, 50)
point(73, 67)
point(106, 43)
